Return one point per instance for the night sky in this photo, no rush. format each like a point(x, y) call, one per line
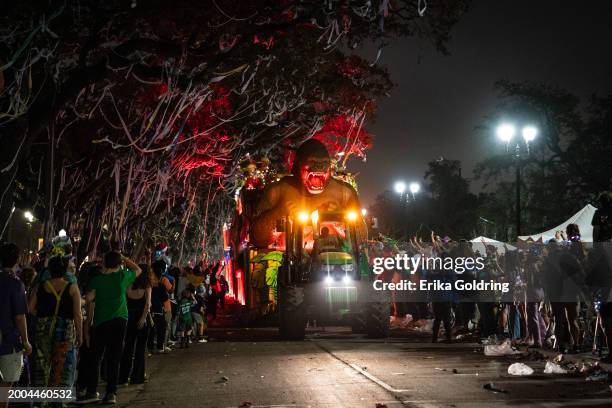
point(439, 100)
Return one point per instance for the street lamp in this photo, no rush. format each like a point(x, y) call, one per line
point(399, 187)
point(506, 132)
point(414, 189)
point(529, 133)
point(28, 216)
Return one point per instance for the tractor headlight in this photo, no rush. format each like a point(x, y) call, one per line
point(328, 280)
point(303, 217)
point(347, 279)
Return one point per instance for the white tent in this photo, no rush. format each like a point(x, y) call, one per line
point(582, 218)
point(478, 244)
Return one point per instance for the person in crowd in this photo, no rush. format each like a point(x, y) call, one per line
point(107, 295)
point(185, 320)
point(161, 309)
point(572, 266)
point(183, 281)
point(210, 299)
point(169, 278)
point(13, 325)
point(512, 274)
point(132, 367)
point(441, 300)
point(599, 278)
point(466, 309)
point(535, 296)
point(553, 275)
point(486, 306)
point(223, 289)
point(199, 312)
point(28, 277)
point(87, 360)
point(56, 303)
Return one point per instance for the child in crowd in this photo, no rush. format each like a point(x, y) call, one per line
point(185, 322)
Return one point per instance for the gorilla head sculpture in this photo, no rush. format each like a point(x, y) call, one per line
point(313, 166)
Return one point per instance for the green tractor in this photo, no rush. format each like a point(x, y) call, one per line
point(325, 276)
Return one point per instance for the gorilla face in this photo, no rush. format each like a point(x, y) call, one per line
point(313, 165)
point(315, 173)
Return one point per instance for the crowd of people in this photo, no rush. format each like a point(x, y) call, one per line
point(558, 297)
point(68, 325)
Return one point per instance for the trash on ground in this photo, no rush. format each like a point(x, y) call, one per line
point(225, 378)
point(504, 349)
point(588, 368)
point(554, 368)
point(455, 371)
point(599, 375)
point(440, 369)
point(520, 369)
point(246, 404)
point(381, 405)
point(491, 387)
point(422, 325)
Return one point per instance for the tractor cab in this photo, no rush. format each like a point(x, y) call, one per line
point(324, 246)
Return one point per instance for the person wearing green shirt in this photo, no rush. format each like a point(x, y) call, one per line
point(107, 306)
point(185, 321)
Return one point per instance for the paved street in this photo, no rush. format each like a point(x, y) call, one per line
point(338, 369)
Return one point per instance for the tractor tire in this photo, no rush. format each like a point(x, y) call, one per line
point(377, 319)
point(358, 323)
point(292, 312)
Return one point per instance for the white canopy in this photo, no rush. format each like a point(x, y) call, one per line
point(582, 218)
point(478, 244)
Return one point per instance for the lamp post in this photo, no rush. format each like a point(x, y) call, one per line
point(400, 187)
point(506, 133)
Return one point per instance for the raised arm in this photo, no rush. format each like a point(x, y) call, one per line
point(131, 265)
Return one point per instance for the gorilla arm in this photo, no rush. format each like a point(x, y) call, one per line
point(268, 210)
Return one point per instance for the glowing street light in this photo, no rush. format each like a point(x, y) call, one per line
point(399, 187)
point(506, 132)
point(364, 212)
point(530, 133)
point(28, 216)
point(415, 188)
